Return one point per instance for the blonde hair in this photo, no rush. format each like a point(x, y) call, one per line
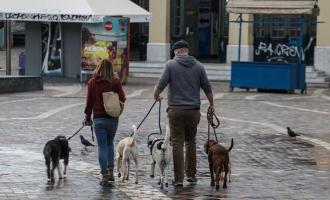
point(105, 70)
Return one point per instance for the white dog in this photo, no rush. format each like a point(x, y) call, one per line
point(161, 154)
point(127, 149)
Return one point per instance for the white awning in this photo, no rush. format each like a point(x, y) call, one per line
point(273, 7)
point(70, 10)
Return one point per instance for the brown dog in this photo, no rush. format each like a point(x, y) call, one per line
point(218, 157)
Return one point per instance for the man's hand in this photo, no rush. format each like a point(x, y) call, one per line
point(210, 109)
point(157, 94)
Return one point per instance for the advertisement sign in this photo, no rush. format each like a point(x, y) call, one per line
point(51, 48)
point(108, 39)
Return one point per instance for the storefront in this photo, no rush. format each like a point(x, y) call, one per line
point(54, 31)
point(283, 31)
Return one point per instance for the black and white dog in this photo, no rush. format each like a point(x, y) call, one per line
point(161, 155)
point(54, 151)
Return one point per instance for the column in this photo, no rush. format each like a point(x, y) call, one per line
point(158, 48)
point(71, 49)
point(246, 39)
point(33, 58)
point(322, 48)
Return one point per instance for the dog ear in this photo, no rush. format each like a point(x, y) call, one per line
point(61, 137)
point(212, 142)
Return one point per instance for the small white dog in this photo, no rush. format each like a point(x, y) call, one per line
point(126, 150)
point(161, 155)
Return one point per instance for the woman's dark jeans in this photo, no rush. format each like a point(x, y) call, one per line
point(105, 131)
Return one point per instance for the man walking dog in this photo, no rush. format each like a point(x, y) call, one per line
point(185, 76)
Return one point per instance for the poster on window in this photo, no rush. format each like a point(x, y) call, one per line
point(106, 40)
point(51, 48)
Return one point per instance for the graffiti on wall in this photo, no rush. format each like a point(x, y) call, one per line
point(285, 50)
point(277, 50)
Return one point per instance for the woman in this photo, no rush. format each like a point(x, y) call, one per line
point(105, 127)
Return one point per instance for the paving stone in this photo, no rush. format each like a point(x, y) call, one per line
point(266, 163)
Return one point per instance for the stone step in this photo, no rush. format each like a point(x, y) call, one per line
point(219, 72)
point(318, 79)
point(319, 85)
point(315, 74)
point(144, 75)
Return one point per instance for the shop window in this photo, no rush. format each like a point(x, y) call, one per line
point(178, 15)
point(259, 27)
point(294, 27)
point(279, 27)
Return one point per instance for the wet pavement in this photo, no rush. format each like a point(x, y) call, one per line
point(266, 163)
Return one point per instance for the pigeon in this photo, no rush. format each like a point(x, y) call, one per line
point(85, 142)
point(291, 133)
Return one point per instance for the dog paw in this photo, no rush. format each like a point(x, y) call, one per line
point(136, 182)
point(152, 176)
point(224, 186)
point(166, 184)
point(217, 187)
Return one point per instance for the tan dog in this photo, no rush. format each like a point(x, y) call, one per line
point(218, 157)
point(127, 149)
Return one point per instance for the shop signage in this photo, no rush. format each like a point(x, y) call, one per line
point(50, 17)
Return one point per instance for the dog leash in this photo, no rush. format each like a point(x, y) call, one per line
point(210, 117)
point(92, 131)
point(159, 109)
point(77, 132)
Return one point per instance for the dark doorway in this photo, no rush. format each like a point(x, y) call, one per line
point(204, 24)
point(139, 36)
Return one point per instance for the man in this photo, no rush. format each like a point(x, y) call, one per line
point(185, 76)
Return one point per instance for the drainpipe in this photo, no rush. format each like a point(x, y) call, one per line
point(240, 37)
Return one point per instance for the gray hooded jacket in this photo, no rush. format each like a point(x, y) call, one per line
point(185, 76)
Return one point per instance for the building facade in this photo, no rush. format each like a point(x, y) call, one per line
point(287, 33)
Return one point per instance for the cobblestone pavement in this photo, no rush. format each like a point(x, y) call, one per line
point(266, 163)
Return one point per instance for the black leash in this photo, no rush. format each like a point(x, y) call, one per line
point(210, 116)
point(92, 130)
point(83, 125)
point(77, 132)
point(160, 128)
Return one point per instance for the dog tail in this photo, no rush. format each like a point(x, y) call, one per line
point(134, 133)
point(231, 146)
point(167, 137)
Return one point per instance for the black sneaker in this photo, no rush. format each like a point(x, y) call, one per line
point(191, 179)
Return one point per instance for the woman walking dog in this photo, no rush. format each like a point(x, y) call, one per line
point(105, 126)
